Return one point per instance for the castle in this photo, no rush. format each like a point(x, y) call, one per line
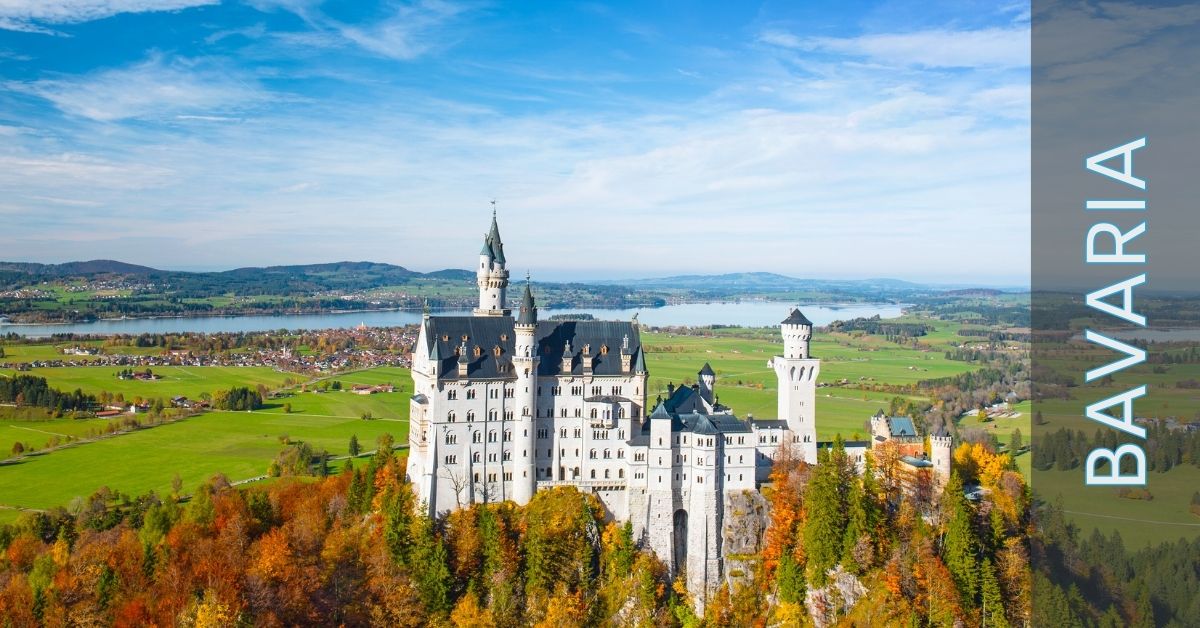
point(505, 405)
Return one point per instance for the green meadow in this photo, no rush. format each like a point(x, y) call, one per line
point(238, 444)
point(188, 381)
point(1140, 522)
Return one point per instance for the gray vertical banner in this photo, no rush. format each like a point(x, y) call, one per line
point(1116, 120)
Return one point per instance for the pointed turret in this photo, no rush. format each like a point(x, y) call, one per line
point(528, 314)
point(491, 275)
point(492, 246)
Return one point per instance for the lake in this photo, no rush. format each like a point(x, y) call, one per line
point(745, 314)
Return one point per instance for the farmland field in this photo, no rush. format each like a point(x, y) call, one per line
point(238, 444)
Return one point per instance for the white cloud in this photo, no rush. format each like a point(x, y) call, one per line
point(411, 30)
point(939, 48)
point(151, 89)
point(33, 15)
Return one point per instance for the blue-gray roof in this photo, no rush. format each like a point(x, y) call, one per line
point(902, 426)
point(494, 337)
point(796, 318)
point(913, 461)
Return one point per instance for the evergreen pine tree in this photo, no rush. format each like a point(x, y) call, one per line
point(355, 448)
point(825, 528)
point(958, 548)
point(993, 600)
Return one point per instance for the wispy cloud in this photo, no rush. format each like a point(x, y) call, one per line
point(409, 30)
point(989, 47)
point(154, 88)
point(34, 15)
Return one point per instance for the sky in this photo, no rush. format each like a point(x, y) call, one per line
point(639, 139)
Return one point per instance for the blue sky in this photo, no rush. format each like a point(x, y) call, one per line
point(816, 139)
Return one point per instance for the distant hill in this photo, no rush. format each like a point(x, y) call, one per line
point(93, 267)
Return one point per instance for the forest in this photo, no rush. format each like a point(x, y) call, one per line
point(352, 549)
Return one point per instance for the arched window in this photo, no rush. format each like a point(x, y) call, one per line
point(607, 454)
point(620, 412)
point(450, 417)
point(476, 437)
point(470, 416)
point(621, 474)
point(593, 413)
point(606, 474)
point(593, 474)
point(592, 454)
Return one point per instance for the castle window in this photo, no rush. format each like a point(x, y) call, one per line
point(464, 338)
point(478, 350)
point(542, 433)
point(620, 412)
point(508, 477)
point(621, 474)
point(507, 435)
point(699, 479)
point(492, 436)
point(491, 457)
point(451, 459)
point(491, 415)
point(592, 454)
point(470, 416)
point(578, 412)
point(740, 459)
point(578, 432)
point(603, 349)
point(593, 413)
point(470, 393)
point(496, 350)
point(620, 453)
point(507, 456)
point(563, 432)
point(451, 439)
point(593, 474)
point(452, 394)
point(450, 417)
point(475, 457)
point(445, 338)
point(503, 338)
point(476, 437)
point(607, 454)
point(606, 474)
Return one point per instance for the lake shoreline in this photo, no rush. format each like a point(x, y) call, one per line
point(743, 313)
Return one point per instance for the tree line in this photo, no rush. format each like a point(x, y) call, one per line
point(30, 390)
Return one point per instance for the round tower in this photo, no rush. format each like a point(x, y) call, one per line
point(797, 332)
point(941, 452)
point(525, 362)
point(491, 274)
point(797, 372)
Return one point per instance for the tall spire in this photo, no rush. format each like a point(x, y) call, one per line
point(528, 315)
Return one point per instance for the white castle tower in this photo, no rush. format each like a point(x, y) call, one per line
point(525, 362)
point(491, 274)
point(941, 452)
point(797, 371)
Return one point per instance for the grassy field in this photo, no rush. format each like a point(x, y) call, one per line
point(1165, 518)
point(188, 381)
point(238, 444)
